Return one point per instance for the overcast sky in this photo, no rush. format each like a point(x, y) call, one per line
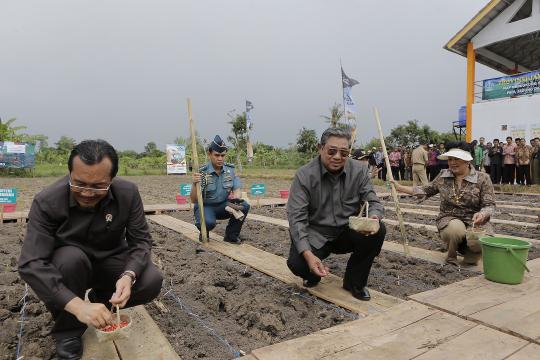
point(122, 70)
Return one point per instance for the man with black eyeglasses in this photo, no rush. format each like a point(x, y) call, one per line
point(88, 231)
point(324, 193)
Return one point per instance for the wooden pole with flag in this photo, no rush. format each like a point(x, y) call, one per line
point(404, 239)
point(204, 235)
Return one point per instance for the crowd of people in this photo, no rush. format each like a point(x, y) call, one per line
point(512, 162)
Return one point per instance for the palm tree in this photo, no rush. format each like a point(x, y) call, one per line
point(9, 132)
point(239, 130)
point(335, 116)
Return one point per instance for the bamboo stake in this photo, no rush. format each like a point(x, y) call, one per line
point(195, 159)
point(404, 239)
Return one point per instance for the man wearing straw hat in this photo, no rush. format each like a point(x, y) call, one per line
point(323, 195)
point(88, 230)
point(218, 181)
point(467, 200)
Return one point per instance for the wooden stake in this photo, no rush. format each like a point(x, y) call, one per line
point(404, 239)
point(195, 159)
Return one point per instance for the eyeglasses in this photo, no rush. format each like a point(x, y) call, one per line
point(333, 151)
point(80, 189)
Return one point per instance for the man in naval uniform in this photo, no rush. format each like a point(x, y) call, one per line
point(218, 182)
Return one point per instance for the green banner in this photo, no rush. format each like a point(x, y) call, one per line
point(511, 86)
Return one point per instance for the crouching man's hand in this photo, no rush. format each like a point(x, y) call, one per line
point(91, 314)
point(315, 264)
point(123, 291)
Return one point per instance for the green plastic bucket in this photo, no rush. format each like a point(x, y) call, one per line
point(505, 259)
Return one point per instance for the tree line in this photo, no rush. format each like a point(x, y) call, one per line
point(152, 159)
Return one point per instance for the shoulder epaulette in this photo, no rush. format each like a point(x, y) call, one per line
point(203, 168)
point(228, 164)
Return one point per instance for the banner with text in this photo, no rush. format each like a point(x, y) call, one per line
point(8, 196)
point(16, 155)
point(176, 159)
point(510, 86)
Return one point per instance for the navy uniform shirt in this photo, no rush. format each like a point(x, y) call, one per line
point(217, 188)
point(117, 224)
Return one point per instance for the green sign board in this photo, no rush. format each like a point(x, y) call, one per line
point(8, 196)
point(258, 189)
point(185, 189)
point(511, 86)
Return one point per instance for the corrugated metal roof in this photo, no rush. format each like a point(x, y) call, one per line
point(523, 50)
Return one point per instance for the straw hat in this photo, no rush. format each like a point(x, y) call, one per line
point(456, 153)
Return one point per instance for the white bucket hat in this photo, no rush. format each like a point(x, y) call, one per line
point(456, 153)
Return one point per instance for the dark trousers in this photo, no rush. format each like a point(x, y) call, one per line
point(364, 249)
point(487, 169)
point(496, 173)
point(509, 173)
point(80, 273)
point(395, 172)
point(402, 172)
point(382, 173)
point(523, 174)
point(217, 212)
point(432, 171)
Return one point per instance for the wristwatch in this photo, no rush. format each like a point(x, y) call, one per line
point(131, 274)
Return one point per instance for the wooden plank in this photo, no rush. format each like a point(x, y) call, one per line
point(519, 316)
point(423, 254)
point(435, 213)
point(94, 350)
point(250, 357)
point(478, 343)
point(158, 208)
point(529, 352)
point(500, 204)
point(146, 341)
point(435, 257)
point(517, 193)
point(408, 342)
point(433, 228)
point(330, 288)
point(269, 220)
point(473, 295)
point(402, 332)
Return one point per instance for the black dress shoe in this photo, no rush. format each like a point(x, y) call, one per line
point(70, 348)
point(232, 240)
point(361, 293)
point(310, 283)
